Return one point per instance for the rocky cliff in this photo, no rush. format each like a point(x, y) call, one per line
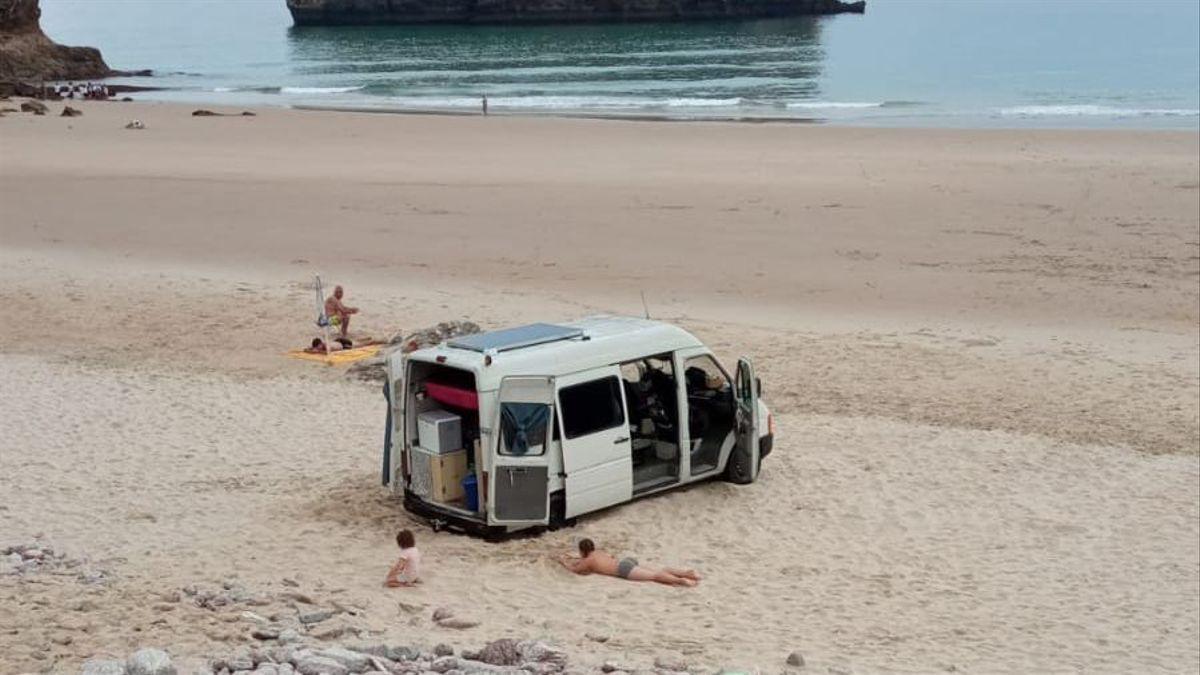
point(27, 54)
point(351, 12)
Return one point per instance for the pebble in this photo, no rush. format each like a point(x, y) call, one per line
point(149, 661)
point(251, 616)
point(441, 614)
point(265, 633)
point(795, 659)
point(443, 649)
point(289, 636)
point(596, 637)
point(315, 617)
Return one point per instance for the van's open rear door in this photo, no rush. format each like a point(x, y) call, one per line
point(744, 461)
point(519, 485)
point(393, 438)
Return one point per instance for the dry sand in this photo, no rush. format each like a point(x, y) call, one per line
point(980, 347)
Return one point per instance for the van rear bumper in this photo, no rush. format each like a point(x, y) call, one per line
point(445, 519)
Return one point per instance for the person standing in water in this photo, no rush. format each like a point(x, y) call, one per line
point(483, 101)
point(592, 561)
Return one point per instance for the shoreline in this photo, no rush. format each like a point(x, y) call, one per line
point(584, 115)
point(966, 121)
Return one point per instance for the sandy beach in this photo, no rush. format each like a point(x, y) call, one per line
point(980, 348)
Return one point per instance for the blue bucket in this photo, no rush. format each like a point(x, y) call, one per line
point(471, 490)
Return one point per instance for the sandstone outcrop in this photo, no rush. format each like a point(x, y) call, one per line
point(26, 54)
point(352, 12)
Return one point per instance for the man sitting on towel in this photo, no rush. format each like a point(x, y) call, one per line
point(338, 313)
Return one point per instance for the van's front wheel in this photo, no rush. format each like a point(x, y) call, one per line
point(737, 469)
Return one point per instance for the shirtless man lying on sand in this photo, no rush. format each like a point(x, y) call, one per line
point(592, 561)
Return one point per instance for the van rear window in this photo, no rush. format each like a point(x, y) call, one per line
point(590, 407)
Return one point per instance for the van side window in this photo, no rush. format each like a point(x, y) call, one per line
point(589, 407)
point(523, 429)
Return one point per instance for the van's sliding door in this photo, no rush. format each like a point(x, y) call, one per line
point(597, 459)
point(519, 492)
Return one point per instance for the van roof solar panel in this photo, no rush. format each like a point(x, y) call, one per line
point(515, 338)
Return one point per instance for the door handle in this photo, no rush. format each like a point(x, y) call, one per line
point(623, 439)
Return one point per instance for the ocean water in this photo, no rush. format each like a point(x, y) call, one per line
point(1009, 63)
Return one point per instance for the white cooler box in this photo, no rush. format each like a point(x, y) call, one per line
point(439, 431)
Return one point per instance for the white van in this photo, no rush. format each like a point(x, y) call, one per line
point(532, 426)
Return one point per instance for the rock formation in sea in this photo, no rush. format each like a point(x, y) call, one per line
point(26, 54)
point(352, 12)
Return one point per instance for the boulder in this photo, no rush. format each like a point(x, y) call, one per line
point(68, 111)
point(35, 107)
point(355, 662)
point(314, 664)
point(443, 649)
point(372, 369)
point(149, 661)
point(315, 617)
point(265, 633)
point(795, 659)
point(535, 651)
point(403, 654)
point(503, 652)
point(102, 667)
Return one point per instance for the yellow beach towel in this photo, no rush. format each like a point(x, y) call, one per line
point(338, 358)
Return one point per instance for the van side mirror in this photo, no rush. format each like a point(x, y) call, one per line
point(758, 385)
